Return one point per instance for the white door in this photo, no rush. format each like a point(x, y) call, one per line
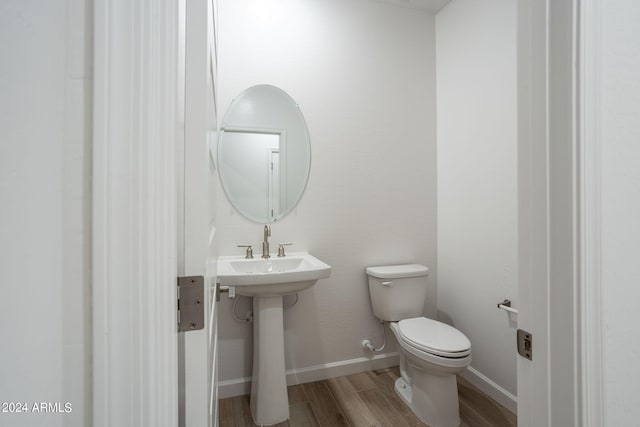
point(198, 397)
point(134, 174)
point(145, 131)
point(548, 392)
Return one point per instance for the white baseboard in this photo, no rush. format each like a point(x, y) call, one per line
point(492, 389)
point(309, 374)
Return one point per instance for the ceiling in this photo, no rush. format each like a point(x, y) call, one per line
point(429, 5)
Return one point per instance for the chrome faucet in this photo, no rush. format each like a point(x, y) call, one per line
point(265, 243)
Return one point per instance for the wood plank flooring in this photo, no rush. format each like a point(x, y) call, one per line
point(366, 399)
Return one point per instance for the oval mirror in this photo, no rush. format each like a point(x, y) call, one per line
point(264, 153)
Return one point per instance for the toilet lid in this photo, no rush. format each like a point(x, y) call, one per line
point(434, 337)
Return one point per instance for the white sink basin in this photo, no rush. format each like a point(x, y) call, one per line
point(273, 276)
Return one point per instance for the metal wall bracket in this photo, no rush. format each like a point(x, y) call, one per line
point(229, 290)
point(525, 344)
point(190, 303)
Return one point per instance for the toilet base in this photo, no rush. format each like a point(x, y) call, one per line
point(433, 405)
point(403, 391)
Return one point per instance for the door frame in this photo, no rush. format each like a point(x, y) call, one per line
point(196, 363)
point(274, 183)
point(133, 186)
point(591, 318)
point(134, 213)
point(559, 190)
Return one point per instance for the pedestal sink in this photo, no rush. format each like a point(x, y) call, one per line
point(268, 280)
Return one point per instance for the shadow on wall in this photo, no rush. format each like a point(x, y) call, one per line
point(444, 317)
point(301, 340)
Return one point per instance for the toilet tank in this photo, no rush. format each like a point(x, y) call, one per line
point(397, 291)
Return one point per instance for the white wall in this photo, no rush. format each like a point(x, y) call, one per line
point(363, 75)
point(45, 160)
point(620, 132)
point(477, 179)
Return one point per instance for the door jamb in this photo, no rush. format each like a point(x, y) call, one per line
point(592, 381)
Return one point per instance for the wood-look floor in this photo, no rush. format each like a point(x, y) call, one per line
point(364, 400)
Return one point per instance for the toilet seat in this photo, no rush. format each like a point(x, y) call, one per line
point(433, 337)
point(441, 362)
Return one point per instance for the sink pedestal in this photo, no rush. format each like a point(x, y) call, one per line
point(269, 400)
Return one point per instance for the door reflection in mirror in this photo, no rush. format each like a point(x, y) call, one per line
point(264, 153)
point(250, 165)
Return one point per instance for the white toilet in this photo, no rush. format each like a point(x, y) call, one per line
point(431, 352)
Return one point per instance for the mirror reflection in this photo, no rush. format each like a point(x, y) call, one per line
point(264, 153)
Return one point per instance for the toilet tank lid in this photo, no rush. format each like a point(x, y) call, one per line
point(397, 271)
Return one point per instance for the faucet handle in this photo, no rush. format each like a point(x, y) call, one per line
point(249, 253)
point(281, 248)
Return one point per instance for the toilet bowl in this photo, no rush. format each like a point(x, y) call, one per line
point(431, 352)
point(427, 383)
